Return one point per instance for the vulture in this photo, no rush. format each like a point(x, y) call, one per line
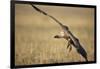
point(67, 35)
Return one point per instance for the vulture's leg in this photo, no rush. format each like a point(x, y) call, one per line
point(69, 46)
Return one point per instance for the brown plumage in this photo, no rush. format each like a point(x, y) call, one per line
point(66, 34)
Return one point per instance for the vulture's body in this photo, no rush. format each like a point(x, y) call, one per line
point(66, 34)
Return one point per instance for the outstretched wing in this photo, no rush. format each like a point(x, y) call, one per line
point(39, 10)
point(76, 43)
point(82, 51)
point(44, 13)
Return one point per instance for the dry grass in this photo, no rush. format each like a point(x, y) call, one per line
point(34, 42)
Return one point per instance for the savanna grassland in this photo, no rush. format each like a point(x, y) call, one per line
point(34, 34)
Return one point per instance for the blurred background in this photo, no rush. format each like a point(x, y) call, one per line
point(34, 32)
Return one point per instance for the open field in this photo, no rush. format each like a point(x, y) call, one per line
point(34, 32)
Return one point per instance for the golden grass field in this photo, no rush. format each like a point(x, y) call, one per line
point(34, 34)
